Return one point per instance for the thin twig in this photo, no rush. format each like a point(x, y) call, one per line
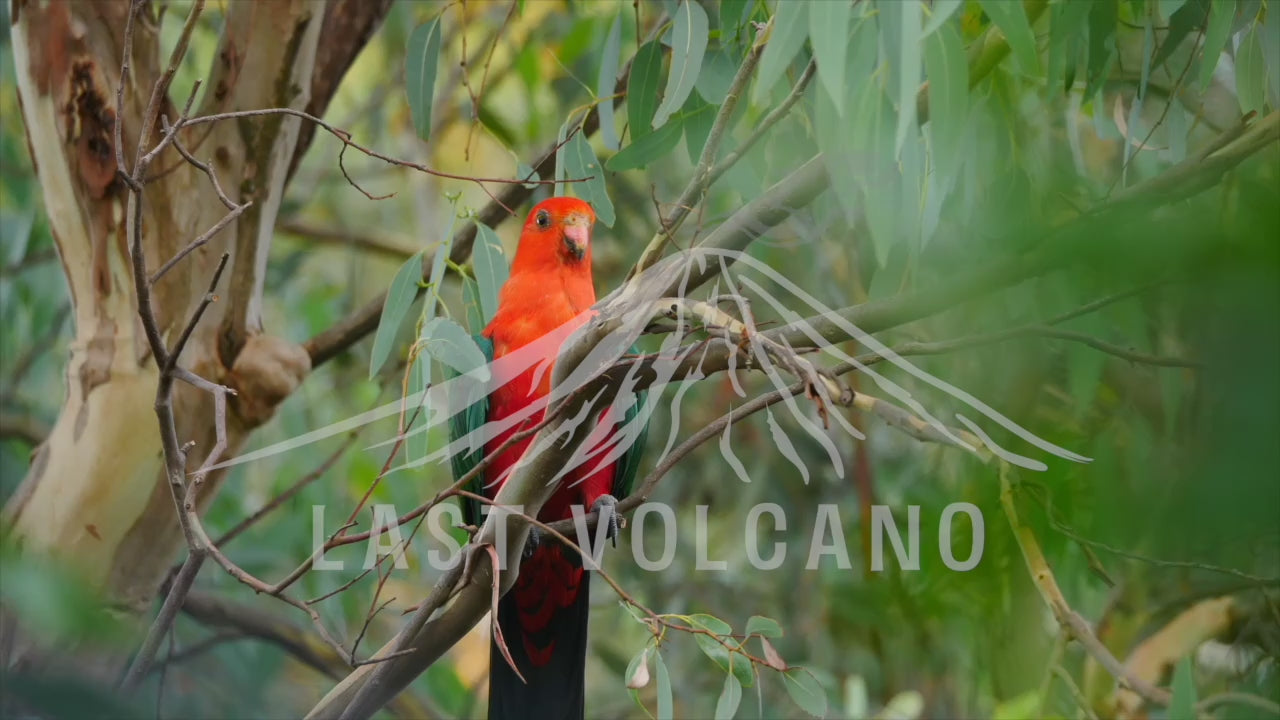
point(1067, 618)
point(701, 178)
point(199, 242)
point(205, 168)
point(289, 492)
point(164, 621)
point(766, 124)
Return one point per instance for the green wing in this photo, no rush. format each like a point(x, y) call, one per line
point(629, 463)
point(477, 414)
point(460, 425)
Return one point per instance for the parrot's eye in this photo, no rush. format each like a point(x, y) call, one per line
point(543, 218)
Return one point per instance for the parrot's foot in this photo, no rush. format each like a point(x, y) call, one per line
point(615, 525)
point(531, 544)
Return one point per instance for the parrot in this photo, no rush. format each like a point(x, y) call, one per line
point(543, 618)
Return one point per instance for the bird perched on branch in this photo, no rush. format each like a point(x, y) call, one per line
point(543, 618)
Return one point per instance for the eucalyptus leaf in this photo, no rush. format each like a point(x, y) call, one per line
point(471, 301)
point(421, 60)
point(524, 172)
point(765, 626)
point(583, 164)
point(605, 83)
point(645, 150)
point(1102, 45)
point(730, 698)
point(805, 691)
point(790, 27)
point(909, 64)
point(1184, 18)
point(948, 73)
point(829, 35)
point(940, 12)
point(400, 297)
point(490, 268)
point(665, 710)
point(699, 116)
point(642, 89)
point(1011, 18)
point(562, 157)
point(688, 45)
point(718, 69)
point(1221, 12)
point(448, 342)
point(1251, 72)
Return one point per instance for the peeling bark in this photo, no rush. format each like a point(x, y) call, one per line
point(97, 500)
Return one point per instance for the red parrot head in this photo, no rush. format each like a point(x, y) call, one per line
point(557, 230)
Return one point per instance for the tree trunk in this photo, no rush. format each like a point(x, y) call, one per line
point(95, 497)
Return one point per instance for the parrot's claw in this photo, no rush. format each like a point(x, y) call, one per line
point(615, 525)
point(531, 544)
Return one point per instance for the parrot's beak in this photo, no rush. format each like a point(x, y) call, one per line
point(577, 235)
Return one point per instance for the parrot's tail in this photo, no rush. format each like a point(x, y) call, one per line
point(546, 634)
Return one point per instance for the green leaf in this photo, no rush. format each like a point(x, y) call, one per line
point(1148, 48)
point(718, 69)
point(645, 150)
point(583, 164)
point(765, 626)
point(490, 268)
point(642, 89)
point(1183, 18)
point(734, 14)
point(400, 296)
point(829, 35)
point(1251, 73)
point(790, 26)
point(688, 45)
point(1177, 131)
point(562, 157)
point(524, 172)
point(420, 74)
point(1270, 37)
point(606, 81)
point(711, 623)
point(1067, 24)
point(699, 116)
point(439, 261)
point(878, 175)
point(948, 74)
point(637, 674)
point(730, 697)
point(733, 663)
point(448, 342)
point(665, 711)
point(908, 68)
point(941, 11)
point(471, 301)
point(1102, 45)
point(805, 691)
point(1221, 12)
point(1011, 18)
point(1183, 704)
point(1169, 8)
